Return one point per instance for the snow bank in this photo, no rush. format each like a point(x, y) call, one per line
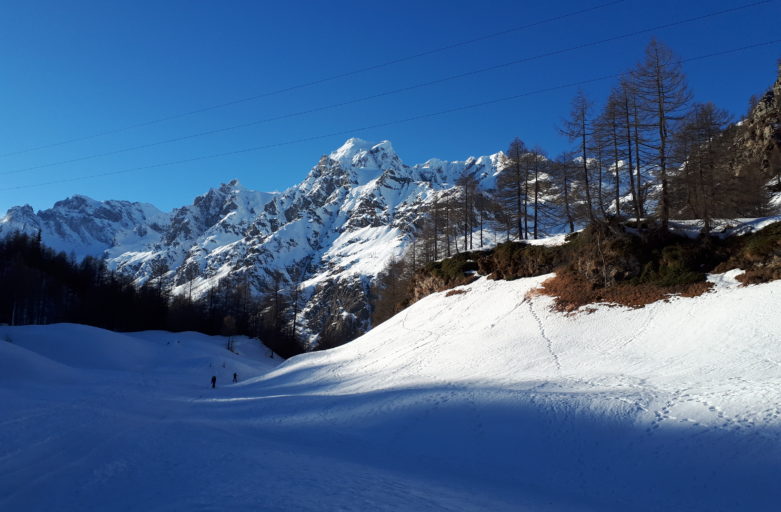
point(20, 365)
point(81, 346)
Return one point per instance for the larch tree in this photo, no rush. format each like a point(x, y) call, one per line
point(637, 139)
point(448, 226)
point(663, 97)
point(698, 148)
point(467, 182)
point(297, 273)
point(562, 171)
point(512, 185)
point(625, 96)
point(610, 132)
point(537, 164)
point(578, 128)
point(158, 270)
point(436, 222)
point(191, 272)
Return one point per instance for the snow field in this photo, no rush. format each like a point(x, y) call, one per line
point(483, 400)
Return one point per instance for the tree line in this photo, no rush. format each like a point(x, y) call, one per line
point(650, 154)
point(42, 286)
point(654, 154)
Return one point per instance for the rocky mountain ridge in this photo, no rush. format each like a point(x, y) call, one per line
point(757, 139)
point(329, 236)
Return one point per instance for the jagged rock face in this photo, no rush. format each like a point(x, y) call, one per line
point(760, 133)
point(217, 219)
point(332, 234)
point(338, 229)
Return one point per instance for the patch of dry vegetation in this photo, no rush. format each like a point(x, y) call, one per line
point(609, 263)
point(572, 293)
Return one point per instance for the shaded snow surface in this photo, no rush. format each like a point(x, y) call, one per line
point(485, 400)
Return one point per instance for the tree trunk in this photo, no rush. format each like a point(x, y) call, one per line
point(631, 170)
point(586, 184)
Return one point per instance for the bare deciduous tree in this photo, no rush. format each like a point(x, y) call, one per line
point(579, 128)
point(663, 97)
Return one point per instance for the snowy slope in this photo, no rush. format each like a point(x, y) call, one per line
point(484, 400)
point(676, 406)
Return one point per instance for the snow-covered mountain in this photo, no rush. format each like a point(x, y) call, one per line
point(331, 234)
point(83, 226)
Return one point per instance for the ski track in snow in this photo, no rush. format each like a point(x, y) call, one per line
point(548, 341)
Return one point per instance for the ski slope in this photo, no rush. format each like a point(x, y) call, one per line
point(482, 400)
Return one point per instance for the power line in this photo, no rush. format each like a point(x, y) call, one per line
point(331, 78)
point(377, 125)
point(392, 91)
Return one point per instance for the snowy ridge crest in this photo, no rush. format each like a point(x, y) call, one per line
point(354, 212)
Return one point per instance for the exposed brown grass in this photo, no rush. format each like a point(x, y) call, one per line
point(572, 293)
point(459, 291)
point(608, 264)
point(760, 275)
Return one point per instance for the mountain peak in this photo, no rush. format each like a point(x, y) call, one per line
point(366, 158)
point(77, 202)
point(232, 186)
point(384, 146)
point(345, 153)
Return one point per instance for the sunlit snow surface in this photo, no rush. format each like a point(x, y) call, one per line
point(484, 400)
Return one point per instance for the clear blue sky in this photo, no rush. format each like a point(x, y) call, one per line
point(72, 69)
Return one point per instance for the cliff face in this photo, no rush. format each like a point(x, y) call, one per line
point(758, 138)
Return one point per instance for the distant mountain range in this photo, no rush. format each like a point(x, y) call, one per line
point(331, 234)
point(329, 237)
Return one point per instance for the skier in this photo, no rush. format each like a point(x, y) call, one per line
point(235, 377)
point(214, 381)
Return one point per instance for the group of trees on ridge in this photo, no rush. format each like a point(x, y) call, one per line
point(41, 286)
point(649, 155)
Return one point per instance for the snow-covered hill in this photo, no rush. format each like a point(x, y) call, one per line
point(331, 234)
point(479, 400)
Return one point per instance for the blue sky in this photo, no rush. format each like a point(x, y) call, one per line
point(73, 69)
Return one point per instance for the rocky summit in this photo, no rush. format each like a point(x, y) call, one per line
point(329, 236)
